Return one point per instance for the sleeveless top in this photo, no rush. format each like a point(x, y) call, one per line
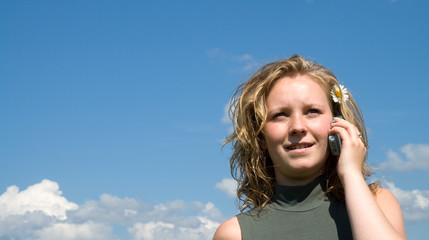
point(298, 212)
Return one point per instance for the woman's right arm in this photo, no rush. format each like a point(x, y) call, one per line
point(371, 217)
point(229, 230)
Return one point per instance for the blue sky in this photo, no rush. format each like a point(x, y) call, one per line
point(113, 112)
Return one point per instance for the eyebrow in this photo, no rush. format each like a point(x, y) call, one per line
point(317, 105)
point(306, 106)
point(282, 107)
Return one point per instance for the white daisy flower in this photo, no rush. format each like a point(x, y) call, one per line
point(339, 94)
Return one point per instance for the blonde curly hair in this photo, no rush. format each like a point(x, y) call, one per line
point(252, 166)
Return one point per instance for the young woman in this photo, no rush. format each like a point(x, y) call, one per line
point(290, 181)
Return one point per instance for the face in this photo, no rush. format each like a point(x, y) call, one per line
point(296, 132)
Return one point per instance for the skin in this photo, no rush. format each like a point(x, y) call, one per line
point(296, 133)
point(297, 129)
point(378, 217)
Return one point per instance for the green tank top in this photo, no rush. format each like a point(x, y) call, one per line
point(299, 213)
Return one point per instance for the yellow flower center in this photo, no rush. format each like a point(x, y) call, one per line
point(338, 93)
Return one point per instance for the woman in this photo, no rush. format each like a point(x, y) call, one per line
point(292, 184)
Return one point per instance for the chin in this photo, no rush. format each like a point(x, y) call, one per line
point(308, 167)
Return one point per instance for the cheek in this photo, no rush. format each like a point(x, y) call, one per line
point(273, 133)
point(322, 129)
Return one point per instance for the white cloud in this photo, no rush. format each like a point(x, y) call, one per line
point(146, 221)
point(23, 226)
point(216, 53)
point(150, 230)
point(416, 157)
point(414, 203)
point(226, 118)
point(204, 229)
point(229, 186)
point(40, 212)
point(110, 208)
point(240, 63)
point(248, 61)
point(69, 231)
point(45, 197)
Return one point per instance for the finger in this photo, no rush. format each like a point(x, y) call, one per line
point(352, 130)
point(348, 132)
point(344, 134)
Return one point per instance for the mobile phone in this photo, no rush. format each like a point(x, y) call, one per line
point(335, 141)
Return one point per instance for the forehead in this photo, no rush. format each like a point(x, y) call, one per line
point(299, 88)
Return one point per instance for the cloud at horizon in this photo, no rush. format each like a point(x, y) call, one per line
point(41, 212)
point(49, 215)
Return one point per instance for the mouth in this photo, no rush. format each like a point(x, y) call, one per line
point(298, 146)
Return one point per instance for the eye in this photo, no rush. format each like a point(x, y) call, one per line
point(279, 114)
point(313, 111)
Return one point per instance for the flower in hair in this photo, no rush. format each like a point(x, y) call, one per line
point(339, 94)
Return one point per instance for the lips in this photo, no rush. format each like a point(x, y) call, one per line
point(298, 146)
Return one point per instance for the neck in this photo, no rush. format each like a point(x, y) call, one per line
point(299, 180)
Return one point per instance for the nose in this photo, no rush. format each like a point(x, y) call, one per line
point(297, 125)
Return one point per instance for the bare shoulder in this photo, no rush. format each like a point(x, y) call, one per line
point(229, 230)
point(385, 198)
point(391, 209)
